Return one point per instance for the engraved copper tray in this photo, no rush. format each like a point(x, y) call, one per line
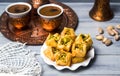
point(70, 19)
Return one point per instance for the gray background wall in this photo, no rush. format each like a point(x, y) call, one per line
point(58, 0)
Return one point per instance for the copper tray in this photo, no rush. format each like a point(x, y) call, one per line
point(70, 19)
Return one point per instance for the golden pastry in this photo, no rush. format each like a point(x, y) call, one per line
point(68, 32)
point(63, 58)
point(85, 39)
point(77, 60)
point(52, 39)
point(65, 43)
point(50, 52)
point(79, 50)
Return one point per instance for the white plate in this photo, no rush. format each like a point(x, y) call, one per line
point(90, 56)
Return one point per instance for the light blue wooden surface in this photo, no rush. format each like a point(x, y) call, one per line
point(107, 59)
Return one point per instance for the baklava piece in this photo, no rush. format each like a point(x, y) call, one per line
point(68, 32)
point(50, 52)
point(63, 58)
point(79, 50)
point(52, 39)
point(85, 39)
point(65, 43)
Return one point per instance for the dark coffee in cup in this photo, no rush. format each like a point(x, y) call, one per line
point(18, 8)
point(50, 11)
point(51, 16)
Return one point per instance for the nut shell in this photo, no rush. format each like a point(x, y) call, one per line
point(99, 37)
point(107, 41)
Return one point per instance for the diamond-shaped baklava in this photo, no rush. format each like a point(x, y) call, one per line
point(68, 32)
point(65, 43)
point(63, 58)
point(79, 50)
point(52, 39)
point(85, 39)
point(50, 52)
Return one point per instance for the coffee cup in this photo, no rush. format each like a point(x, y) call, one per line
point(51, 16)
point(19, 14)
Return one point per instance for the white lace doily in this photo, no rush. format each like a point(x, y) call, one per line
point(15, 59)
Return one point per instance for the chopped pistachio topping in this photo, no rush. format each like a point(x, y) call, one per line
point(62, 57)
point(78, 46)
point(84, 37)
point(56, 38)
point(64, 41)
point(67, 32)
point(54, 50)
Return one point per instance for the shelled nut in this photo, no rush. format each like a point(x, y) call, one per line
point(117, 37)
point(104, 40)
point(107, 41)
point(115, 31)
point(110, 27)
point(99, 37)
point(118, 27)
point(110, 32)
point(100, 30)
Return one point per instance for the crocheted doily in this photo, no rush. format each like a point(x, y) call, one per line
point(15, 59)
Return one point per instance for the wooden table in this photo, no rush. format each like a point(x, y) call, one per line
point(107, 59)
